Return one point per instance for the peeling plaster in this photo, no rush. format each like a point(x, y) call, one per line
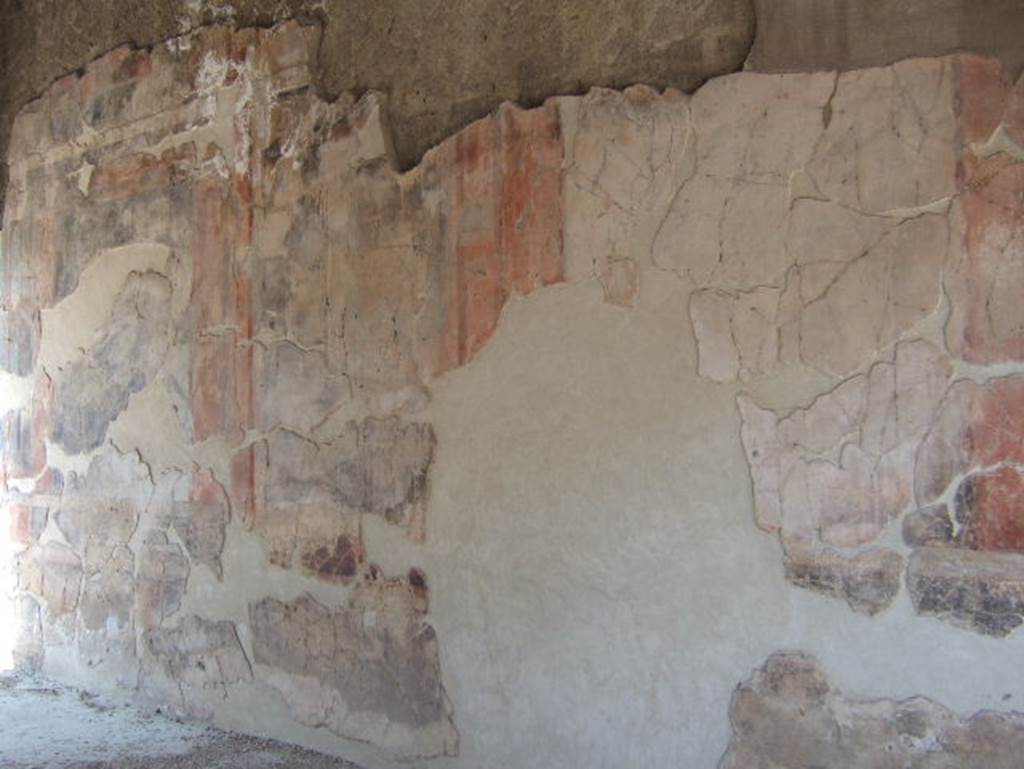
point(479, 419)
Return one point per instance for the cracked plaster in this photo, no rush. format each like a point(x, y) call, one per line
point(313, 330)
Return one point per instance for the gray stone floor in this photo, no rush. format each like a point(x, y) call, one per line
point(44, 725)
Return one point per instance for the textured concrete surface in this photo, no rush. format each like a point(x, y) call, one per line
point(808, 35)
point(559, 433)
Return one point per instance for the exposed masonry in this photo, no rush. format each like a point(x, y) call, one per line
point(224, 311)
point(789, 714)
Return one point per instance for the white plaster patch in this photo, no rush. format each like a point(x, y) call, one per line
point(999, 143)
point(151, 426)
point(83, 177)
point(15, 392)
point(70, 325)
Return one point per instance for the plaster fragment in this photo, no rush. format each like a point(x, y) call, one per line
point(975, 590)
point(788, 713)
point(162, 580)
point(192, 664)
point(100, 510)
point(369, 669)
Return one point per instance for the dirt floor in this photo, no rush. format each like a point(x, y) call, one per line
point(44, 725)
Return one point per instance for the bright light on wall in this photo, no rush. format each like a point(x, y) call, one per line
point(8, 616)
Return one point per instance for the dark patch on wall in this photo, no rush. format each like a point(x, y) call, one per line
point(338, 563)
point(976, 590)
point(376, 654)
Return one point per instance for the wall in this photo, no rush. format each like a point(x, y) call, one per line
point(444, 65)
point(533, 453)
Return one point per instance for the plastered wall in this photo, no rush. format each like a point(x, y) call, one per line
point(635, 429)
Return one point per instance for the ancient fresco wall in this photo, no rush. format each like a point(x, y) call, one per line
point(560, 433)
point(215, 350)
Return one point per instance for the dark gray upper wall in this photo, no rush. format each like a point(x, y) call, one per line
point(444, 64)
point(808, 35)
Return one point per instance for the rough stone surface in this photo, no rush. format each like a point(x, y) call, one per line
point(789, 714)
